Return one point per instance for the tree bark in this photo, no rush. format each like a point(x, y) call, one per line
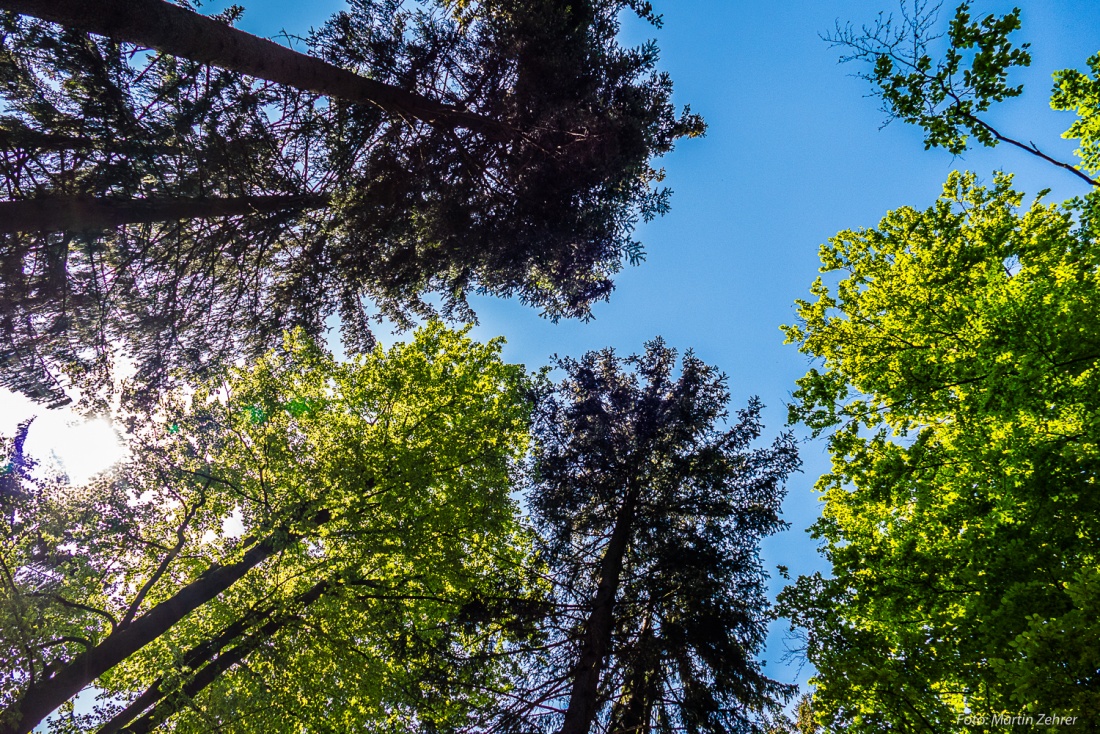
point(203, 655)
point(79, 213)
point(181, 32)
point(44, 697)
point(597, 637)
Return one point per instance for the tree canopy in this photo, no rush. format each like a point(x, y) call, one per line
point(375, 517)
point(948, 97)
point(650, 512)
point(346, 205)
point(424, 538)
point(88, 122)
point(956, 381)
point(958, 392)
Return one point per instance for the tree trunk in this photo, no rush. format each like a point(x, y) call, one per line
point(203, 656)
point(225, 660)
point(631, 714)
point(181, 32)
point(42, 698)
point(79, 213)
point(597, 637)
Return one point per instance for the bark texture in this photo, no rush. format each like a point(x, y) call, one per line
point(181, 32)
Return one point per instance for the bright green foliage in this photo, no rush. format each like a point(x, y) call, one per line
point(1080, 93)
point(944, 96)
point(960, 391)
point(399, 561)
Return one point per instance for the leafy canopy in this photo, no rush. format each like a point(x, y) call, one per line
point(1078, 92)
point(958, 388)
point(384, 485)
point(956, 381)
point(945, 96)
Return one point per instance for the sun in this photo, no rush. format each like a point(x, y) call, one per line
point(79, 447)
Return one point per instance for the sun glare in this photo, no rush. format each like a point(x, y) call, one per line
point(81, 448)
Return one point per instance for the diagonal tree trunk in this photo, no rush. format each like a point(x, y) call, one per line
point(213, 659)
point(223, 662)
point(181, 32)
point(78, 213)
point(601, 622)
point(42, 698)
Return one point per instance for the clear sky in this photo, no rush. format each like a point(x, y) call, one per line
point(793, 154)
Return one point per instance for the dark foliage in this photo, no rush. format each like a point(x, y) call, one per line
point(546, 217)
point(628, 451)
point(83, 116)
point(415, 213)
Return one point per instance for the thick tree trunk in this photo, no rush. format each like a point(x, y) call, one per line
point(180, 32)
point(80, 213)
point(601, 622)
point(211, 659)
point(193, 659)
point(42, 698)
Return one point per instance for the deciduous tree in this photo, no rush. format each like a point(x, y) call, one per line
point(956, 384)
point(958, 390)
point(947, 96)
point(380, 551)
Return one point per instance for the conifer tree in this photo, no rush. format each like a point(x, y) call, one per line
point(651, 513)
point(338, 203)
point(98, 136)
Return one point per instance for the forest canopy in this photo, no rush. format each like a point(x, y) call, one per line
point(956, 382)
point(319, 526)
point(300, 543)
point(180, 192)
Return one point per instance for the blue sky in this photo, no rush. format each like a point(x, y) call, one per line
point(793, 154)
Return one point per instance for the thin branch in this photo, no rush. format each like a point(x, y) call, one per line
point(181, 540)
point(1033, 149)
point(76, 605)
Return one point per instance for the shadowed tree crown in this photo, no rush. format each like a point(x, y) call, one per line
point(189, 190)
point(651, 509)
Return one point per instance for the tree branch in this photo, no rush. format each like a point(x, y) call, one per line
point(43, 698)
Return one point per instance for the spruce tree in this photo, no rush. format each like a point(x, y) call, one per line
point(651, 512)
point(341, 202)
